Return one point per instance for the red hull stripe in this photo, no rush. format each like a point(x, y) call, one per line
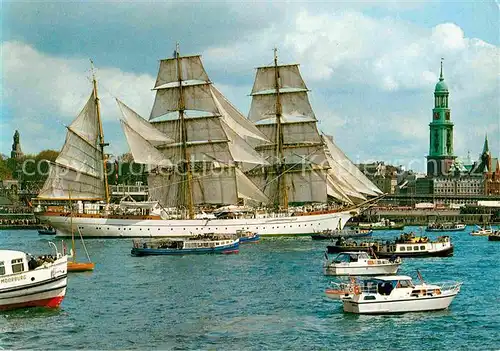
point(51, 302)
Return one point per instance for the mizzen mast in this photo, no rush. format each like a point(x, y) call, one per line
point(102, 144)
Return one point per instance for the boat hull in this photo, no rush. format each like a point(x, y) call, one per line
point(362, 270)
point(80, 266)
point(46, 232)
point(446, 252)
point(225, 249)
point(252, 239)
point(44, 287)
point(494, 237)
point(103, 227)
point(415, 304)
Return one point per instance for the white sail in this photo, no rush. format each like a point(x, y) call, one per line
point(78, 154)
point(234, 119)
point(348, 170)
point(142, 151)
point(289, 78)
point(64, 183)
point(78, 169)
point(247, 189)
point(141, 126)
point(196, 97)
point(295, 107)
point(86, 124)
point(191, 69)
point(336, 192)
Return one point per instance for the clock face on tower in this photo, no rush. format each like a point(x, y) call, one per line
point(436, 115)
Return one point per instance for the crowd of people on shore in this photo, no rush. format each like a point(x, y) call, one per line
point(18, 222)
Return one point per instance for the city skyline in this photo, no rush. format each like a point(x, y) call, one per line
point(371, 67)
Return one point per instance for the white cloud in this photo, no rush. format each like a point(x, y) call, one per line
point(44, 93)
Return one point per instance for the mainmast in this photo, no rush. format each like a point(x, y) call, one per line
point(282, 200)
point(101, 134)
point(186, 183)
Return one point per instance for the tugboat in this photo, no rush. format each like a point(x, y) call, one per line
point(344, 233)
point(445, 227)
point(360, 263)
point(27, 281)
point(398, 294)
point(202, 244)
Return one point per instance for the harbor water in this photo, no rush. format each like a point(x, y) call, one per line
point(269, 296)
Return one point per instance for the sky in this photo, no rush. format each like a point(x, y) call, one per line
point(371, 67)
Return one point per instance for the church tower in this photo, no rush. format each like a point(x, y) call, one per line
point(441, 155)
point(16, 152)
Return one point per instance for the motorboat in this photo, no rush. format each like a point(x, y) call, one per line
point(445, 227)
point(360, 263)
point(383, 224)
point(342, 245)
point(202, 244)
point(47, 231)
point(247, 236)
point(341, 233)
point(494, 236)
point(482, 231)
point(340, 289)
point(26, 281)
point(398, 294)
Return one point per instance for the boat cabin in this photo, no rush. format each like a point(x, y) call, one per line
point(385, 285)
point(348, 257)
point(12, 262)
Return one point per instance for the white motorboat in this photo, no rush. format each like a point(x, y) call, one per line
point(398, 294)
point(482, 231)
point(360, 263)
point(29, 282)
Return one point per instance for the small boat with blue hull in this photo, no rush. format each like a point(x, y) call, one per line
point(198, 245)
point(247, 236)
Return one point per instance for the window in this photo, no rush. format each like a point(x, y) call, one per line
point(402, 248)
point(17, 265)
point(2, 268)
point(422, 247)
point(415, 248)
point(408, 248)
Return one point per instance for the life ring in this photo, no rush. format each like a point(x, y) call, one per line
point(357, 290)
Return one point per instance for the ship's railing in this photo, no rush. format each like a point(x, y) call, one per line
point(448, 285)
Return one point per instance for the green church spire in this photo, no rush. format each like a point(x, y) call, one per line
point(486, 148)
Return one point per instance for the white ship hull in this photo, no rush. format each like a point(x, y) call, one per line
point(362, 269)
point(134, 228)
point(413, 304)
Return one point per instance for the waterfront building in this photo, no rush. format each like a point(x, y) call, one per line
point(385, 177)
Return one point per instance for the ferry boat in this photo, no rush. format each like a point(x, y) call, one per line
point(29, 282)
point(210, 244)
point(341, 233)
point(360, 263)
point(482, 231)
point(222, 167)
point(398, 294)
point(445, 227)
point(407, 245)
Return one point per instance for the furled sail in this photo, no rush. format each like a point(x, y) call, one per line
point(77, 172)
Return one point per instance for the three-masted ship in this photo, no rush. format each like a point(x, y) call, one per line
point(202, 152)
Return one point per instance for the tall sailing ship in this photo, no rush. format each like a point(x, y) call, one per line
point(203, 153)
